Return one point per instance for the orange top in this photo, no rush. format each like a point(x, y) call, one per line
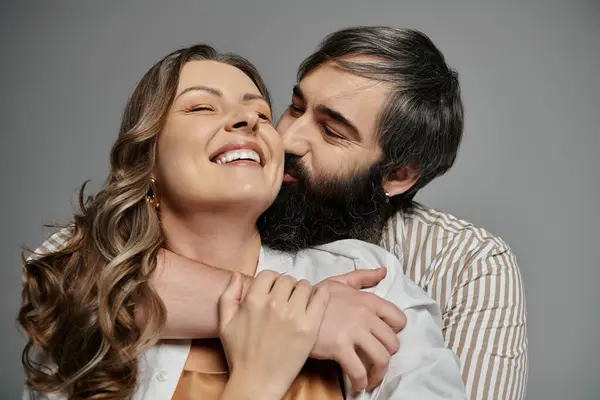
point(205, 374)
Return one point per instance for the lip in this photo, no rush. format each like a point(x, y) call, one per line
point(240, 145)
point(288, 178)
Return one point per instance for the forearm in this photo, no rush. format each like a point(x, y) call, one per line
point(423, 367)
point(190, 292)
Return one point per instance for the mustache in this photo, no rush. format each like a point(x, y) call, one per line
point(293, 165)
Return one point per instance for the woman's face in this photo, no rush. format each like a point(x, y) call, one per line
point(219, 147)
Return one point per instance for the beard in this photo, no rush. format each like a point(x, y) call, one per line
point(308, 213)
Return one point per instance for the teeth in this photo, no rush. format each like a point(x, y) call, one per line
point(235, 155)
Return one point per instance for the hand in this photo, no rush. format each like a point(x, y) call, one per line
point(268, 336)
point(359, 329)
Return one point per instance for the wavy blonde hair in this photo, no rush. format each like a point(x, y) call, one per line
point(79, 302)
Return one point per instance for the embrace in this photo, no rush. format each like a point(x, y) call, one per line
point(229, 257)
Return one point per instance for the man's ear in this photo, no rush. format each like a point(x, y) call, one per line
point(401, 181)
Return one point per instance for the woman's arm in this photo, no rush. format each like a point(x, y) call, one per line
point(191, 291)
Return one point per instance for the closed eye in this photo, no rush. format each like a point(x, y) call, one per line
point(201, 108)
point(295, 110)
point(263, 116)
point(332, 134)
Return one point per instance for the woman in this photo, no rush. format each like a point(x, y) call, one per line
point(197, 161)
point(79, 303)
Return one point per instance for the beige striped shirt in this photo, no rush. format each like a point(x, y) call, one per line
point(474, 277)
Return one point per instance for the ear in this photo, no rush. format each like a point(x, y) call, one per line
point(402, 180)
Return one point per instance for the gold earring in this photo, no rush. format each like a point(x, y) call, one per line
point(151, 196)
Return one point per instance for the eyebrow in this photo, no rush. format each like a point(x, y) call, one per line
point(218, 93)
point(331, 113)
point(298, 92)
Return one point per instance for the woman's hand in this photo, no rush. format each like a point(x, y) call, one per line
point(268, 336)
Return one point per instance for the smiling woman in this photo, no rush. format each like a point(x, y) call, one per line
point(196, 163)
point(218, 116)
point(197, 160)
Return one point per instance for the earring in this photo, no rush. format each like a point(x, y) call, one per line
point(151, 196)
point(387, 197)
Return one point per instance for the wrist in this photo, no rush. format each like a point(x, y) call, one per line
point(245, 386)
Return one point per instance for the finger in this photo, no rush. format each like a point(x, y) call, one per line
point(362, 278)
point(385, 310)
point(301, 295)
point(318, 304)
point(386, 335)
point(355, 369)
point(263, 283)
point(283, 287)
point(229, 302)
point(377, 358)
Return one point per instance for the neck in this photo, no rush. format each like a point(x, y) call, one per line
point(224, 240)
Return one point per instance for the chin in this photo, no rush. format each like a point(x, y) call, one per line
point(248, 201)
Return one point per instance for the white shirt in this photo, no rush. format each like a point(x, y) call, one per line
point(422, 369)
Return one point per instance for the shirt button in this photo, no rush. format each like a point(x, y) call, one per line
point(162, 376)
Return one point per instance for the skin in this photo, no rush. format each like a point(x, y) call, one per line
point(328, 148)
point(268, 336)
point(331, 124)
point(201, 201)
point(208, 208)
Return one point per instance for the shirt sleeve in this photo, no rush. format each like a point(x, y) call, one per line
point(29, 394)
point(56, 241)
point(485, 324)
point(423, 367)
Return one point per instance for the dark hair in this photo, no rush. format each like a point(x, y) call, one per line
point(422, 121)
point(78, 302)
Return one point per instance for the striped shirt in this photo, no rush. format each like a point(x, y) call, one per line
point(475, 279)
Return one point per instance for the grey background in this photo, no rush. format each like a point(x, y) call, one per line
point(527, 170)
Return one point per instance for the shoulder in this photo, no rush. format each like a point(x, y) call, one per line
point(348, 255)
point(344, 256)
point(422, 228)
point(372, 255)
point(321, 262)
point(55, 242)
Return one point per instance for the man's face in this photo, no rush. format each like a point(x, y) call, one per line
point(332, 186)
point(331, 122)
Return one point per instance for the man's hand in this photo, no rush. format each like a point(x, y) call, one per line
point(359, 329)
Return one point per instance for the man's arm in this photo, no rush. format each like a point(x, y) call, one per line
point(423, 367)
point(191, 292)
point(485, 324)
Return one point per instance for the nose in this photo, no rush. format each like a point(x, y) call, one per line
point(243, 121)
point(296, 136)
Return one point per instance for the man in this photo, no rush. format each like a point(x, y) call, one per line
point(376, 116)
